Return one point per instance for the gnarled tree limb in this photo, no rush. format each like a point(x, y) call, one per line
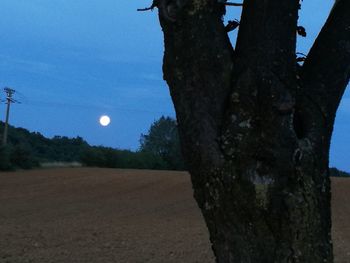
point(264, 76)
point(198, 63)
point(326, 71)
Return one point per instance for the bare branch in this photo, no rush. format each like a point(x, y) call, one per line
point(231, 25)
point(326, 70)
point(154, 4)
point(145, 9)
point(233, 4)
point(165, 8)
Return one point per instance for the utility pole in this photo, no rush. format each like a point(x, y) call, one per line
point(9, 93)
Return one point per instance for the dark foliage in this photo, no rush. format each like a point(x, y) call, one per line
point(113, 158)
point(162, 141)
point(338, 173)
point(18, 156)
point(5, 163)
point(27, 150)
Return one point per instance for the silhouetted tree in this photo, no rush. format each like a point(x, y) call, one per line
point(338, 173)
point(27, 149)
point(163, 140)
point(255, 127)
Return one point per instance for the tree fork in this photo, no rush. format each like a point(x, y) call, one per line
point(326, 71)
point(255, 146)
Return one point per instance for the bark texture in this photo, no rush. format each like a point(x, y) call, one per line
point(255, 127)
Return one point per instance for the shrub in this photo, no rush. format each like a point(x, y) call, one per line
point(5, 158)
point(21, 157)
point(163, 141)
point(113, 158)
point(338, 173)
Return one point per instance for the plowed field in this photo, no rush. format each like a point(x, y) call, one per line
point(117, 216)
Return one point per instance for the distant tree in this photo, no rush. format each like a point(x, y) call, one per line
point(338, 173)
point(163, 140)
point(99, 156)
point(25, 145)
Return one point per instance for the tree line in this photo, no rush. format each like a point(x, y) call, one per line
point(159, 149)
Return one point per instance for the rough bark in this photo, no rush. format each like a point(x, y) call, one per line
point(255, 127)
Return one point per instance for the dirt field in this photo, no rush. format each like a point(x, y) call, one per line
point(116, 216)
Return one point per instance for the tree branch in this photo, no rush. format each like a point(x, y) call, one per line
point(154, 4)
point(145, 9)
point(198, 62)
point(264, 77)
point(268, 29)
point(233, 4)
point(326, 71)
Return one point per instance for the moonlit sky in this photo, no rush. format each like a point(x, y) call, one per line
point(72, 61)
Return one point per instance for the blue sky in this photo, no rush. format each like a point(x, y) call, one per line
point(73, 61)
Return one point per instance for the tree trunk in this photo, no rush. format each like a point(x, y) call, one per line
point(255, 127)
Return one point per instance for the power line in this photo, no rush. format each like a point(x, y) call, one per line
point(9, 99)
point(47, 103)
point(87, 106)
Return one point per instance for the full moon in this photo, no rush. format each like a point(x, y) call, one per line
point(105, 120)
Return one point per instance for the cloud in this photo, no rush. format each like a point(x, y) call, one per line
point(30, 66)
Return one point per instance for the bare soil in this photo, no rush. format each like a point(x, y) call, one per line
point(114, 216)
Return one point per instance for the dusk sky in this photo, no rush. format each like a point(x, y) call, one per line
point(72, 61)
